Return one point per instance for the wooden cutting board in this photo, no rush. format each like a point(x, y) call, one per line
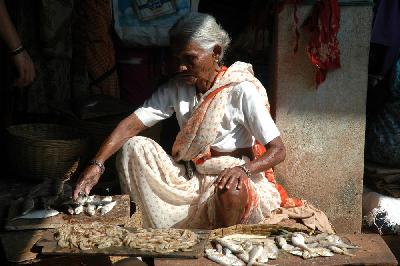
point(49, 247)
point(119, 215)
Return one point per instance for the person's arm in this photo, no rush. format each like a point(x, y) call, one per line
point(127, 128)
point(275, 154)
point(21, 59)
point(259, 123)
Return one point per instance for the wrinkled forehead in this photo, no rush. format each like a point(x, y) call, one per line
point(179, 45)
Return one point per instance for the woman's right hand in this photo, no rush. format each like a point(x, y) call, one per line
point(87, 180)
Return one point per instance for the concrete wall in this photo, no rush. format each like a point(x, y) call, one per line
point(323, 129)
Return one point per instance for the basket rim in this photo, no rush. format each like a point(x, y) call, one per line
point(78, 137)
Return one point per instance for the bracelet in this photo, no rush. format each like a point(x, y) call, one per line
point(17, 50)
point(99, 164)
point(245, 169)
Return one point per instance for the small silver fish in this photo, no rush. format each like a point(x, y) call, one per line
point(78, 209)
point(90, 210)
point(217, 257)
point(296, 252)
point(338, 250)
point(227, 251)
point(323, 252)
point(281, 241)
point(247, 245)
point(219, 247)
point(337, 241)
point(108, 207)
point(38, 214)
point(226, 243)
point(107, 198)
point(298, 241)
point(270, 249)
point(254, 254)
point(244, 256)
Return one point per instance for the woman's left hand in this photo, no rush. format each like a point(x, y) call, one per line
point(25, 68)
point(231, 177)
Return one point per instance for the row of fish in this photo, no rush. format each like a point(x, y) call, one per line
point(91, 205)
point(85, 204)
point(242, 249)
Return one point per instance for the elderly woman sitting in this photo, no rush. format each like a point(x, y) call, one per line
point(217, 175)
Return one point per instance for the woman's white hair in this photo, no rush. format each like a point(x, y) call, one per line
point(202, 29)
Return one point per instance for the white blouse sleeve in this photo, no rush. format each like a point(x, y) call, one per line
point(158, 107)
point(256, 117)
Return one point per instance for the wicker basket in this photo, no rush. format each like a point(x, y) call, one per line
point(39, 151)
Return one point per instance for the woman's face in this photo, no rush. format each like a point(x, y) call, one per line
point(197, 66)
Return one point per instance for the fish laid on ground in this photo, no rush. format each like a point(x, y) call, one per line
point(335, 240)
point(254, 254)
point(228, 244)
point(281, 241)
point(38, 214)
point(298, 241)
point(247, 245)
point(270, 249)
point(222, 259)
point(342, 251)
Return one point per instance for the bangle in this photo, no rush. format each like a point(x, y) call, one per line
point(245, 169)
point(99, 164)
point(17, 50)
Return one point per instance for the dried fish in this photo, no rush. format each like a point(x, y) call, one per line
point(108, 207)
point(96, 235)
point(38, 214)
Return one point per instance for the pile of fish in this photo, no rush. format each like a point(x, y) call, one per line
point(90, 205)
point(53, 194)
point(243, 249)
point(100, 236)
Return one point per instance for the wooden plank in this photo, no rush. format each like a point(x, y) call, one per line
point(119, 215)
point(49, 247)
point(374, 251)
point(17, 245)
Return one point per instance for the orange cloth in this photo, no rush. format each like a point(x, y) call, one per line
point(258, 151)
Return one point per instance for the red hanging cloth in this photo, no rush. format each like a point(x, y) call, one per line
point(323, 47)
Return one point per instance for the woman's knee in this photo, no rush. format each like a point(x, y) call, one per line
point(232, 198)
